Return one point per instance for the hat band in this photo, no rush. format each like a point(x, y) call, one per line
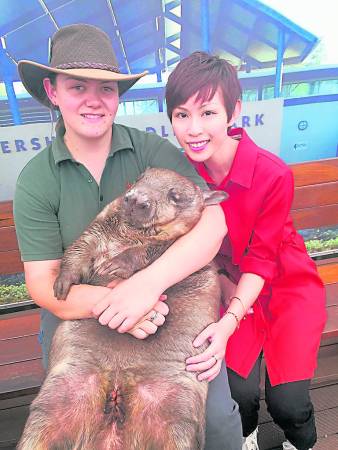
point(88, 65)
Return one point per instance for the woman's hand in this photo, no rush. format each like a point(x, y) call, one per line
point(209, 362)
point(151, 321)
point(126, 304)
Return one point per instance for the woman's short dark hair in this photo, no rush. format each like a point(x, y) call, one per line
point(202, 73)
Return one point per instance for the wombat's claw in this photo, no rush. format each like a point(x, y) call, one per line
point(119, 267)
point(61, 288)
point(110, 268)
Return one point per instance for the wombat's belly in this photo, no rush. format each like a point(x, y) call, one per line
point(106, 390)
point(193, 304)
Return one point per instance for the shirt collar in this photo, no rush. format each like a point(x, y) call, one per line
point(121, 141)
point(59, 148)
point(243, 165)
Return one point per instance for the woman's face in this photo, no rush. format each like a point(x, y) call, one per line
point(201, 127)
point(88, 107)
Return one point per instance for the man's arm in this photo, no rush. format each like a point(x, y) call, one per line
point(40, 277)
point(135, 297)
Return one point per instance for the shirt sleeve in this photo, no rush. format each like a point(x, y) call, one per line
point(36, 222)
point(160, 152)
point(266, 239)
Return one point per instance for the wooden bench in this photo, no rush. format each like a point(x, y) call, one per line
point(315, 205)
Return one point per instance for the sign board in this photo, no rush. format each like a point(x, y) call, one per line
point(262, 120)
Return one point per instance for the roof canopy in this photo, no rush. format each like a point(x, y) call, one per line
point(155, 34)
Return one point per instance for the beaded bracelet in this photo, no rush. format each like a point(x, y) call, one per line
point(235, 316)
point(240, 301)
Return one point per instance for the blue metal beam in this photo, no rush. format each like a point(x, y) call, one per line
point(160, 51)
point(279, 62)
point(173, 37)
point(173, 61)
point(168, 14)
point(172, 16)
point(7, 76)
point(205, 32)
point(174, 49)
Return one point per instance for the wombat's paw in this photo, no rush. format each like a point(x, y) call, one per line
point(62, 285)
point(116, 268)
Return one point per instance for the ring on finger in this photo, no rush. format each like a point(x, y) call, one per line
point(153, 316)
point(215, 358)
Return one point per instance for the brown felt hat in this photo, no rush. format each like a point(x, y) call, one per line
point(82, 51)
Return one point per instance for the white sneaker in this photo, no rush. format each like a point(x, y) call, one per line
point(288, 446)
point(250, 442)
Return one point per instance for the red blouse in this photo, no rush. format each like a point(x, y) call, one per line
point(289, 315)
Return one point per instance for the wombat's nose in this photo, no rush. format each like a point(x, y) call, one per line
point(136, 200)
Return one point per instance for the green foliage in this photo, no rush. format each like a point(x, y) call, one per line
point(319, 245)
point(13, 294)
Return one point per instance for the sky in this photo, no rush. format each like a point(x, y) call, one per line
point(318, 17)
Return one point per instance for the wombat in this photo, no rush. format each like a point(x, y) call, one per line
point(106, 390)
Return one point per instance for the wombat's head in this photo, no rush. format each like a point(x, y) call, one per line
point(164, 201)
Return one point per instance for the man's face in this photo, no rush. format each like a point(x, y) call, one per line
point(88, 107)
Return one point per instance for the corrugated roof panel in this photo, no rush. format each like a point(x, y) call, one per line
point(244, 30)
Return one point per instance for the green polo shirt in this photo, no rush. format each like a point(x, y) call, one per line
point(56, 197)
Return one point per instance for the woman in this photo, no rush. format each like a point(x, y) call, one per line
point(278, 302)
point(91, 162)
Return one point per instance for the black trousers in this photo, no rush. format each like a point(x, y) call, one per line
point(289, 404)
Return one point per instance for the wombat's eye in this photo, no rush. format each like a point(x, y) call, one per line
point(173, 196)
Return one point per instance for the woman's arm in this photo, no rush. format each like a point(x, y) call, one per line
point(218, 333)
point(133, 298)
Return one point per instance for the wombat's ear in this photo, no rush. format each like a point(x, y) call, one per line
point(214, 197)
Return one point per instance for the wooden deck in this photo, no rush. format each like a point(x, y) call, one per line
point(324, 394)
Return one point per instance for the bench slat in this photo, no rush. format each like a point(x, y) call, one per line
point(6, 222)
point(19, 349)
point(331, 327)
point(315, 195)
point(332, 294)
point(6, 206)
point(328, 270)
point(315, 217)
point(24, 376)
point(6, 209)
point(8, 240)
point(10, 262)
point(19, 324)
point(322, 171)
point(6, 213)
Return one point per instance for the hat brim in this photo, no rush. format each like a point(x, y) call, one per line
point(32, 75)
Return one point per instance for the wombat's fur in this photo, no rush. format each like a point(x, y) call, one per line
point(106, 390)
